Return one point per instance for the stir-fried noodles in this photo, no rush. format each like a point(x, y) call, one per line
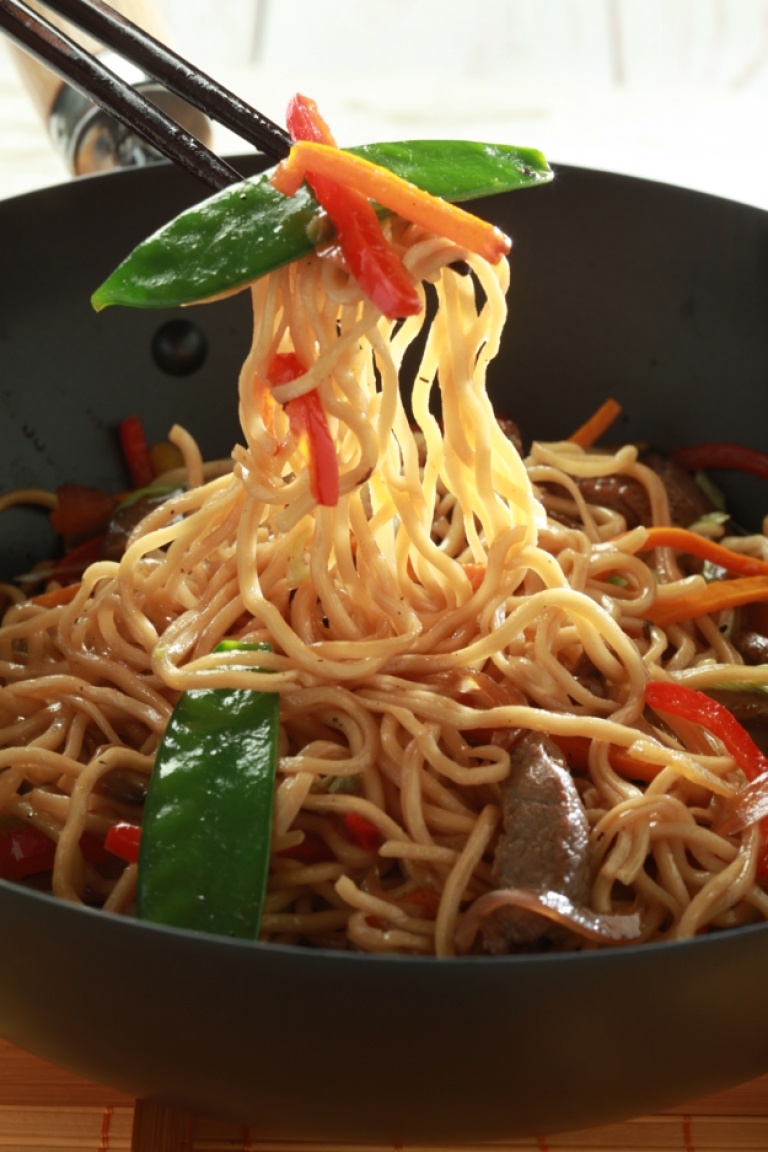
point(456, 603)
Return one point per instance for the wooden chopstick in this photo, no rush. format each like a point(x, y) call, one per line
point(85, 72)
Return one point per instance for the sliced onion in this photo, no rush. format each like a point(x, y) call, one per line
point(599, 928)
point(745, 808)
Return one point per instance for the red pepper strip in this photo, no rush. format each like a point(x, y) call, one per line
point(136, 452)
point(375, 265)
point(25, 851)
point(123, 840)
point(689, 704)
point(311, 850)
point(69, 569)
point(391, 191)
point(723, 454)
point(82, 512)
point(362, 832)
point(310, 427)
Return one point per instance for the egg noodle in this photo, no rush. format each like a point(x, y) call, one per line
point(436, 610)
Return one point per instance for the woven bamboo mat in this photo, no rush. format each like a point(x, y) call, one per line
point(43, 1109)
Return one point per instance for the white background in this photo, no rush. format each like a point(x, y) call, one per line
point(672, 89)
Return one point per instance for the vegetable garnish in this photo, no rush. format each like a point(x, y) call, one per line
point(576, 751)
point(310, 160)
point(238, 235)
point(205, 837)
point(683, 540)
point(138, 459)
point(690, 704)
point(309, 425)
point(56, 597)
point(82, 512)
point(24, 851)
point(723, 454)
point(123, 841)
point(70, 568)
point(598, 423)
point(717, 596)
point(371, 259)
point(362, 831)
point(27, 851)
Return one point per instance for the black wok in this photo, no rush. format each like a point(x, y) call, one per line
point(620, 287)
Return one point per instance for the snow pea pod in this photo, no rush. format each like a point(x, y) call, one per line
point(205, 839)
point(249, 229)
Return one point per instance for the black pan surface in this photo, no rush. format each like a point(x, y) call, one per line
point(655, 295)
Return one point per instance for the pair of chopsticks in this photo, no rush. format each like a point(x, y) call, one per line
point(85, 72)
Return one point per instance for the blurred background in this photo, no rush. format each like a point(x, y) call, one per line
point(676, 90)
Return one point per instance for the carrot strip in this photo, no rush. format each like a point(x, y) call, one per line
point(598, 423)
point(715, 597)
point(56, 597)
point(684, 540)
point(576, 751)
point(389, 190)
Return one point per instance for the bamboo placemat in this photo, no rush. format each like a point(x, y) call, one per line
point(43, 1109)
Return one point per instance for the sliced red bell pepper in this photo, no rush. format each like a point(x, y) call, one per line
point(311, 850)
point(362, 831)
point(138, 459)
point(123, 840)
point(310, 427)
point(690, 704)
point(375, 265)
point(70, 568)
point(82, 512)
point(722, 454)
point(25, 851)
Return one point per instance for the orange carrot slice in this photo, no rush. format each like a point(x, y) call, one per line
point(714, 597)
point(598, 423)
point(56, 597)
point(683, 540)
point(389, 190)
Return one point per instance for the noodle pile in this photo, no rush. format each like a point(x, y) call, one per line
point(417, 626)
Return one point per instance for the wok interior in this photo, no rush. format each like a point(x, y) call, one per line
point(620, 287)
point(651, 294)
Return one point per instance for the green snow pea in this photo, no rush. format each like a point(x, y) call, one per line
point(249, 229)
point(205, 837)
